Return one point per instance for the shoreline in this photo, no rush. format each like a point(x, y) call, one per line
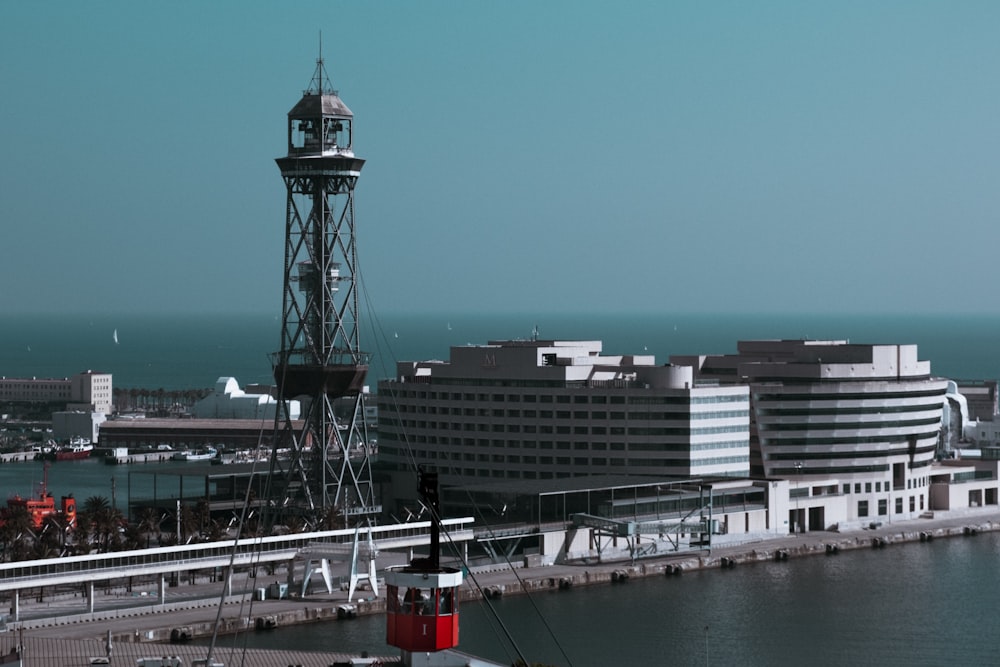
point(201, 617)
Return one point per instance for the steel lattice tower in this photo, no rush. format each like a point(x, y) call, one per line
point(320, 362)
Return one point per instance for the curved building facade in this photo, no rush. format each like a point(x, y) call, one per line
point(835, 418)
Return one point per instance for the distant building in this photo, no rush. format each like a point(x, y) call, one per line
point(228, 401)
point(522, 410)
point(86, 391)
point(153, 434)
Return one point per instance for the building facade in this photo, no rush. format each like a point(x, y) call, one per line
point(864, 419)
point(88, 390)
point(522, 410)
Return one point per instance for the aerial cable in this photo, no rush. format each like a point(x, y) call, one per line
point(379, 333)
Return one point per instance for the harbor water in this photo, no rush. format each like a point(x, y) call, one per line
point(928, 603)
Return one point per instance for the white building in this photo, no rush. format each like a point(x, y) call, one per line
point(228, 401)
point(552, 409)
point(91, 390)
point(854, 427)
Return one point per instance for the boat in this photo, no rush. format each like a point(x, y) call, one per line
point(204, 454)
point(43, 451)
point(78, 448)
point(41, 508)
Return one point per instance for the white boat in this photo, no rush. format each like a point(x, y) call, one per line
point(204, 454)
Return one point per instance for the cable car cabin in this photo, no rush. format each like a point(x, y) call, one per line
point(422, 609)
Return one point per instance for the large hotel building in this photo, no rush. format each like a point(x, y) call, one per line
point(522, 410)
point(852, 428)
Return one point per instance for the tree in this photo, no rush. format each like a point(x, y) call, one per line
point(148, 522)
point(16, 534)
point(100, 524)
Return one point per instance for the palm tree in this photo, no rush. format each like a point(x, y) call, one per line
point(189, 524)
point(203, 514)
point(16, 534)
point(100, 523)
point(148, 522)
point(331, 519)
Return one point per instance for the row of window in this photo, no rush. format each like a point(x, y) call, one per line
point(393, 392)
point(857, 440)
point(387, 425)
point(873, 453)
point(517, 459)
point(484, 443)
point(911, 483)
point(867, 396)
point(854, 425)
point(839, 410)
point(883, 506)
point(498, 413)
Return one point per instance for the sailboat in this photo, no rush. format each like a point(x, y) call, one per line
point(114, 336)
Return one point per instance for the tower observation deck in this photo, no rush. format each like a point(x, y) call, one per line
point(320, 362)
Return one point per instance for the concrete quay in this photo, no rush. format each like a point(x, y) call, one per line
point(200, 613)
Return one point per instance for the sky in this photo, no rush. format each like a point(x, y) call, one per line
point(717, 157)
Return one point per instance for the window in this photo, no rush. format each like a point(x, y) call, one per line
point(862, 508)
point(883, 507)
point(899, 505)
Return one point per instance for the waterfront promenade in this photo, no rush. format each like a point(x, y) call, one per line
point(194, 608)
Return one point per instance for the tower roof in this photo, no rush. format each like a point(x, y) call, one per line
point(327, 104)
point(320, 98)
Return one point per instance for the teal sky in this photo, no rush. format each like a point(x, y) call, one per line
point(521, 156)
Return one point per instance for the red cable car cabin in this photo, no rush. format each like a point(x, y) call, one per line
point(422, 608)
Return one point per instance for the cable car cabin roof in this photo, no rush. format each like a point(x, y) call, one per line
point(327, 104)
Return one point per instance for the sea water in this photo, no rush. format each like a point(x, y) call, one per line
point(193, 351)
